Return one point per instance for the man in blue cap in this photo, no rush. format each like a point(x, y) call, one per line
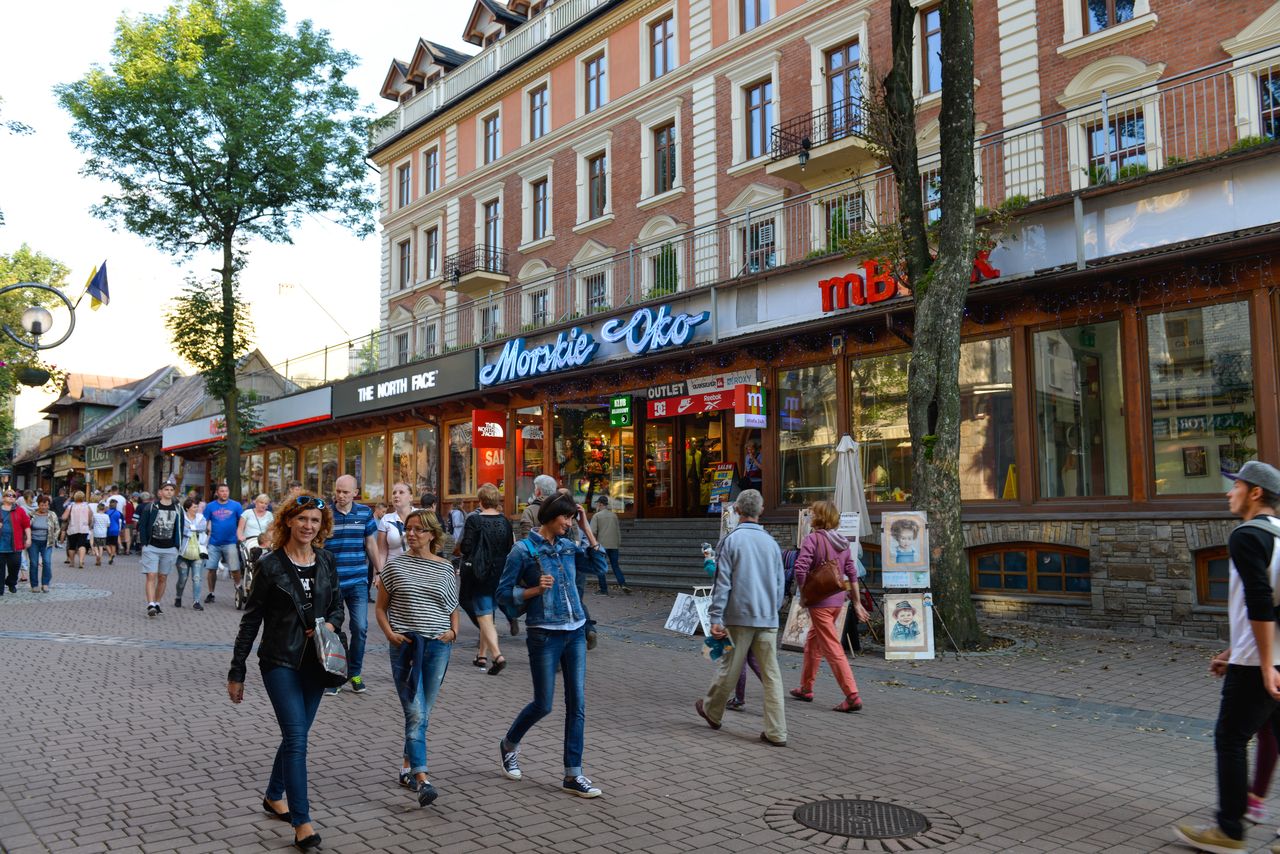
point(1251, 684)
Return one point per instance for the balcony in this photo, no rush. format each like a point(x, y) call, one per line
point(477, 270)
point(823, 146)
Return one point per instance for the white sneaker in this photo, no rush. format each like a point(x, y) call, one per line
point(582, 787)
point(1256, 811)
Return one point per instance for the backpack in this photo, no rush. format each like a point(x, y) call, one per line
point(479, 563)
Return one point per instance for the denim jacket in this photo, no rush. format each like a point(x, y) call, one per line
point(562, 560)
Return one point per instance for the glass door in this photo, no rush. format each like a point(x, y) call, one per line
point(658, 469)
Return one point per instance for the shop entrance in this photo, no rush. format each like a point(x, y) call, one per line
point(680, 457)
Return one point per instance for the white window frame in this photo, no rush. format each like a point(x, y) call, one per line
point(651, 119)
point(657, 232)
point(866, 189)
point(543, 284)
point(755, 204)
point(735, 18)
point(401, 284)
point(580, 78)
point(1116, 74)
point(405, 163)
point(646, 57)
point(740, 75)
point(591, 259)
point(526, 111)
point(831, 34)
point(435, 221)
point(1261, 33)
point(405, 335)
point(420, 336)
point(924, 99)
point(483, 196)
point(483, 305)
point(528, 177)
point(1076, 42)
point(600, 143)
point(439, 182)
point(495, 109)
point(605, 271)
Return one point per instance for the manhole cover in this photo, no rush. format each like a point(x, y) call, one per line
point(861, 819)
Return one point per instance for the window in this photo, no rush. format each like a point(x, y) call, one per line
point(664, 158)
point(1213, 576)
point(365, 459)
point(878, 397)
point(931, 43)
point(492, 227)
point(530, 446)
point(539, 113)
point(431, 252)
point(1203, 411)
point(844, 217)
point(1100, 14)
point(402, 348)
point(596, 457)
point(490, 129)
point(404, 185)
point(662, 46)
point(281, 466)
point(1269, 108)
point(490, 322)
point(759, 251)
point(538, 192)
point(320, 468)
point(754, 13)
point(931, 190)
point(597, 186)
point(759, 117)
point(593, 71)
point(431, 171)
point(987, 444)
point(1119, 150)
point(1030, 568)
point(807, 433)
point(427, 339)
point(844, 89)
point(538, 308)
point(427, 465)
point(596, 286)
point(1080, 415)
point(459, 479)
point(406, 264)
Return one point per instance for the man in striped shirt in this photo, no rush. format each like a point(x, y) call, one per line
point(354, 544)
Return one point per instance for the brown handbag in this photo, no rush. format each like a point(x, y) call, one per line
point(823, 580)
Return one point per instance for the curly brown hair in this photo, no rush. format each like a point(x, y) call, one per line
point(291, 508)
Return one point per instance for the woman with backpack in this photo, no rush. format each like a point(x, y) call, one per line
point(824, 544)
point(539, 575)
point(487, 538)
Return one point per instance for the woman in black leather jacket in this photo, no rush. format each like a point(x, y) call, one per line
point(293, 586)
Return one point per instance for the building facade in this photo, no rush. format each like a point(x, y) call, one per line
point(615, 251)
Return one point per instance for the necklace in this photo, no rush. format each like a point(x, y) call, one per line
point(306, 559)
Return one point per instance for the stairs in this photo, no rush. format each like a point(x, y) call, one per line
point(666, 554)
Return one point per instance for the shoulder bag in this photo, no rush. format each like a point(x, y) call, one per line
point(824, 579)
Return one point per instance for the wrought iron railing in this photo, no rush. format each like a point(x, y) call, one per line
point(830, 123)
point(481, 258)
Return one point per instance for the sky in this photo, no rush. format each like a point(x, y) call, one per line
point(46, 201)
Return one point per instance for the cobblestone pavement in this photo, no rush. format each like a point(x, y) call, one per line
point(121, 739)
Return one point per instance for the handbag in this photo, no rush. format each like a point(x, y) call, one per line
point(332, 654)
point(823, 580)
point(192, 550)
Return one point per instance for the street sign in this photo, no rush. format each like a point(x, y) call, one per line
point(620, 410)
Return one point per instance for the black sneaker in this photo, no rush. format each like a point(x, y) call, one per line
point(196, 606)
point(510, 762)
point(357, 685)
point(582, 787)
point(177, 603)
point(152, 610)
point(208, 600)
point(407, 780)
point(159, 610)
point(427, 794)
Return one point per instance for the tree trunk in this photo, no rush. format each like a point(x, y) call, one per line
point(227, 367)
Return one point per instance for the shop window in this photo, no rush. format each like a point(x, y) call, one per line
point(427, 468)
point(364, 458)
point(878, 396)
point(1213, 568)
point(1030, 568)
point(593, 457)
point(281, 467)
point(807, 433)
point(1269, 105)
point(402, 459)
point(459, 474)
point(1079, 404)
point(252, 476)
point(1100, 14)
point(986, 421)
point(1118, 150)
point(530, 448)
point(1200, 366)
point(320, 468)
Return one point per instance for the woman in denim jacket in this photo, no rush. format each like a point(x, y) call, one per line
point(540, 575)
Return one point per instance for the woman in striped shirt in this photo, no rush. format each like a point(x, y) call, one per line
point(418, 612)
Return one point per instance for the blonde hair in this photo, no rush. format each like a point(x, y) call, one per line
point(489, 496)
point(432, 524)
point(823, 516)
point(79, 496)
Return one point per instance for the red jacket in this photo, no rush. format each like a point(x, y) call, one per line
point(21, 526)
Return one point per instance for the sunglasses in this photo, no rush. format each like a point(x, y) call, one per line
point(310, 501)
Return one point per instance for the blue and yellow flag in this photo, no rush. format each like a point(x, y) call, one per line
point(97, 288)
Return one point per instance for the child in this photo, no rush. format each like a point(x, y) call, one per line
point(904, 533)
point(905, 627)
point(101, 522)
point(115, 519)
point(739, 698)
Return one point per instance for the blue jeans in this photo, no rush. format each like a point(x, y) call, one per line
point(356, 597)
point(617, 572)
point(38, 553)
point(548, 651)
point(417, 700)
point(188, 568)
point(295, 695)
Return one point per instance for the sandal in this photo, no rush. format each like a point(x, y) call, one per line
point(852, 703)
point(806, 696)
point(498, 663)
point(481, 662)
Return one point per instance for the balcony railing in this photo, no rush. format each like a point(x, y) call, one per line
point(507, 51)
point(475, 259)
point(1187, 118)
point(828, 124)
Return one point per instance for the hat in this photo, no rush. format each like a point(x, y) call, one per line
point(603, 499)
point(169, 481)
point(1258, 474)
point(903, 606)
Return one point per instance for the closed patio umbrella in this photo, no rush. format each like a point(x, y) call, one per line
point(850, 496)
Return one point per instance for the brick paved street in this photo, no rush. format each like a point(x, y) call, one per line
point(121, 739)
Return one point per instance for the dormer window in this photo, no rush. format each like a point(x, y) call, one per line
point(491, 38)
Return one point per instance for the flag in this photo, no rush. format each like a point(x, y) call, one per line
point(97, 288)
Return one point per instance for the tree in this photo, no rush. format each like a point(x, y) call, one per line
point(216, 125)
point(23, 265)
point(936, 261)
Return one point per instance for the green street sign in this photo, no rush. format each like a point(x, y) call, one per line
point(620, 411)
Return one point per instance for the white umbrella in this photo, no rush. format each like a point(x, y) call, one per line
point(850, 496)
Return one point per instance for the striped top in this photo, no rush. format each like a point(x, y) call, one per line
point(347, 542)
point(423, 594)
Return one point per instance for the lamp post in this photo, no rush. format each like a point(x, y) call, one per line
point(36, 320)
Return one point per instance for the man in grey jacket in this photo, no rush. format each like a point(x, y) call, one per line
point(744, 608)
point(544, 486)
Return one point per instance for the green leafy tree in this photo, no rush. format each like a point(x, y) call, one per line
point(23, 265)
point(216, 125)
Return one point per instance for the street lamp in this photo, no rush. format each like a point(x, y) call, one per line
point(36, 320)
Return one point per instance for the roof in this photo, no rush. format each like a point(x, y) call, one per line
point(136, 390)
point(501, 13)
point(90, 388)
point(445, 56)
point(174, 404)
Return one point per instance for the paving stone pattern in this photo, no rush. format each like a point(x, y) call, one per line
point(121, 739)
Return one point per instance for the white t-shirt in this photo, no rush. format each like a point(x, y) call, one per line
point(101, 521)
point(255, 527)
point(118, 499)
point(394, 527)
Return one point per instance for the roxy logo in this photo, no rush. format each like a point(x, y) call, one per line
point(490, 430)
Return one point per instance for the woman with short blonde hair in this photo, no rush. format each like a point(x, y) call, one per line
point(487, 538)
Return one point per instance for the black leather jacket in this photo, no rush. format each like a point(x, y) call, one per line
point(274, 606)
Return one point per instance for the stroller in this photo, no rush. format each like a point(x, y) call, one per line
point(249, 557)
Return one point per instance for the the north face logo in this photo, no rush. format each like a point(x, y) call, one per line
point(491, 430)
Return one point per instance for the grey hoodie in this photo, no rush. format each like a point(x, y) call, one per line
point(749, 579)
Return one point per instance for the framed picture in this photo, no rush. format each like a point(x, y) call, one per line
point(908, 625)
point(1228, 460)
point(797, 628)
point(1194, 462)
point(904, 541)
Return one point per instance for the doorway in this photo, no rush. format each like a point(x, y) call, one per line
point(680, 456)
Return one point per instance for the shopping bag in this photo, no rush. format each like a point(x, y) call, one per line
point(332, 654)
